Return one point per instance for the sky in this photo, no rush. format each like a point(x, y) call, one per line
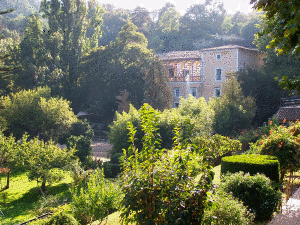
point(231, 6)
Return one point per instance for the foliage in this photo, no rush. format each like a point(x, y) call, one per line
point(112, 168)
point(215, 146)
point(282, 24)
point(282, 144)
point(38, 114)
point(158, 184)
point(125, 66)
point(83, 146)
point(233, 111)
point(194, 117)
point(82, 127)
point(62, 218)
point(256, 192)
point(42, 159)
point(95, 201)
point(253, 164)
point(226, 209)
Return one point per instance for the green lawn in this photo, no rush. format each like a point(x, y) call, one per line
point(22, 195)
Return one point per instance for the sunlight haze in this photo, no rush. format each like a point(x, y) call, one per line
point(231, 6)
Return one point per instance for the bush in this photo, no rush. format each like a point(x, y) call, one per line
point(96, 200)
point(196, 111)
point(62, 218)
point(252, 164)
point(82, 144)
point(225, 209)
point(159, 184)
point(256, 192)
point(284, 145)
point(112, 168)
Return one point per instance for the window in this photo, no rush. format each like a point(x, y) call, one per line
point(218, 74)
point(194, 92)
point(176, 92)
point(217, 92)
point(185, 73)
point(218, 56)
point(176, 104)
point(171, 72)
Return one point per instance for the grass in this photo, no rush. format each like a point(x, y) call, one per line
point(22, 196)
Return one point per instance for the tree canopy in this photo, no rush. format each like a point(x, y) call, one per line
point(282, 24)
point(36, 113)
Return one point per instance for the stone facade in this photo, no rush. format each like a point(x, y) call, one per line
point(202, 73)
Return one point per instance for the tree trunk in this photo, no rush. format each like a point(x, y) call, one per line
point(7, 182)
point(43, 188)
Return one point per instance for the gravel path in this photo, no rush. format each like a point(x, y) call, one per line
point(101, 150)
point(290, 213)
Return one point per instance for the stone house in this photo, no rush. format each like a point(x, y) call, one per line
point(202, 73)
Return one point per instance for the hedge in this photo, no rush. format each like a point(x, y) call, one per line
point(252, 164)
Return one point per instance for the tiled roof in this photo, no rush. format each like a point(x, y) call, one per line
point(290, 113)
point(229, 47)
point(180, 55)
point(197, 54)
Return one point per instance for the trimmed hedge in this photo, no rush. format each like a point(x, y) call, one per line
point(252, 164)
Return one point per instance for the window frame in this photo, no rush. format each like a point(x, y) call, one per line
point(171, 72)
point(216, 75)
point(215, 92)
point(194, 89)
point(175, 92)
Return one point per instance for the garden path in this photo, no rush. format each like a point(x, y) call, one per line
point(101, 150)
point(290, 212)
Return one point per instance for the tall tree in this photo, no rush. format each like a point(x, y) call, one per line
point(201, 20)
point(126, 65)
point(142, 19)
point(69, 20)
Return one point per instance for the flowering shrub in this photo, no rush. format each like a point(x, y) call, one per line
point(284, 145)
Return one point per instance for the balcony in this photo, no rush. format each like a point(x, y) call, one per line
point(183, 79)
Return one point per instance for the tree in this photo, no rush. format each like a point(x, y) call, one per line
point(282, 24)
point(233, 112)
point(42, 159)
point(5, 70)
point(201, 20)
point(126, 65)
point(261, 85)
point(38, 114)
point(159, 184)
point(113, 21)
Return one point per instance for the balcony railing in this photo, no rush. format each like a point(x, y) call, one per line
point(183, 79)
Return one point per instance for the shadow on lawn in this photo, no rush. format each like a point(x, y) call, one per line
point(27, 203)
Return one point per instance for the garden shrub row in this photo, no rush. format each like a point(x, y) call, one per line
point(252, 164)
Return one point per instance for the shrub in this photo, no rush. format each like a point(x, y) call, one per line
point(96, 200)
point(215, 146)
point(196, 111)
point(82, 144)
point(252, 164)
point(225, 209)
point(159, 185)
point(282, 144)
point(62, 218)
point(256, 192)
